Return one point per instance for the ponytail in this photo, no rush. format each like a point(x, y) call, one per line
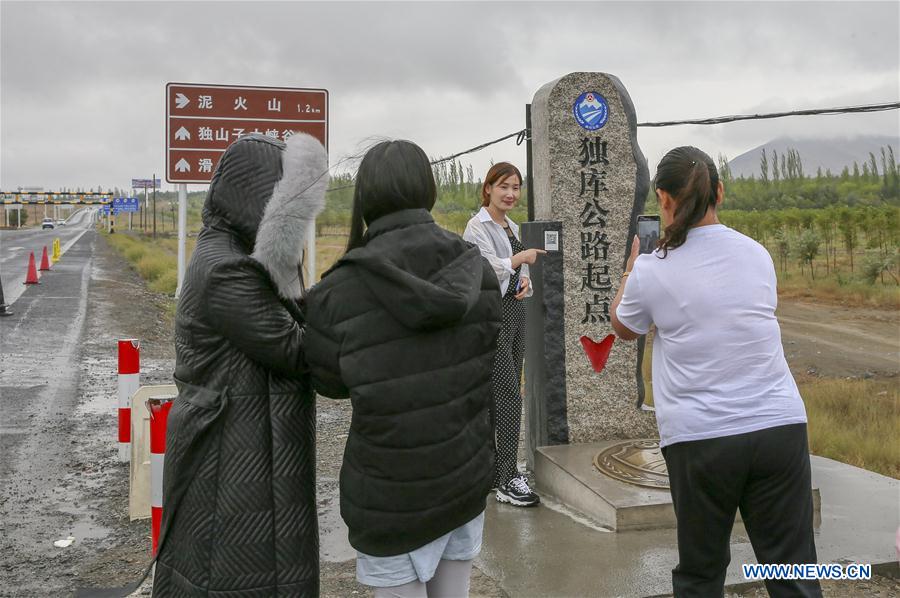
point(691, 178)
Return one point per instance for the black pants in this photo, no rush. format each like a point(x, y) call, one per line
point(765, 474)
point(507, 380)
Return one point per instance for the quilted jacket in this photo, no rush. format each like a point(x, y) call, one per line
point(239, 512)
point(406, 326)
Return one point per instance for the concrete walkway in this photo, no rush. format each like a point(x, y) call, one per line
point(552, 552)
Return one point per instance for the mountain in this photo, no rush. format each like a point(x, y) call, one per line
point(831, 154)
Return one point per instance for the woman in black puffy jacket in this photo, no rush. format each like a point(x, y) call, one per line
point(239, 517)
point(405, 324)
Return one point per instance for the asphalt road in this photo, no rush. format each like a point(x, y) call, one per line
point(16, 245)
point(39, 364)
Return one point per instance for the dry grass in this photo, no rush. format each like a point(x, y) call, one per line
point(152, 259)
point(837, 291)
point(855, 422)
point(328, 249)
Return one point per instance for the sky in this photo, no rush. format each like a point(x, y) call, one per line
point(82, 84)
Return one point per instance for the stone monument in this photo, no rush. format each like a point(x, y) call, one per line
point(590, 176)
point(590, 181)
point(590, 442)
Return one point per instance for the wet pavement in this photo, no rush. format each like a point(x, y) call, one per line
point(59, 472)
point(551, 551)
point(39, 362)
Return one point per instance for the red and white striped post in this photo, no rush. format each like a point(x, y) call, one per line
point(159, 417)
point(129, 383)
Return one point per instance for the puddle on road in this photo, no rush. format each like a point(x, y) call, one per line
point(83, 528)
point(65, 500)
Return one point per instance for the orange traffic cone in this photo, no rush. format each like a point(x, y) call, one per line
point(45, 260)
point(31, 277)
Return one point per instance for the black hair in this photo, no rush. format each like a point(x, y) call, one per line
point(691, 178)
point(393, 176)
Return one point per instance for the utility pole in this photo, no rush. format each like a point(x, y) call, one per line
point(154, 204)
point(146, 203)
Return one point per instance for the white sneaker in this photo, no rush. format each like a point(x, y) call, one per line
point(516, 492)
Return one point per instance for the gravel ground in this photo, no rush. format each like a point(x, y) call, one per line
point(109, 550)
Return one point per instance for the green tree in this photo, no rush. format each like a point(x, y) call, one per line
point(807, 249)
point(764, 167)
point(783, 246)
point(724, 169)
point(847, 226)
point(876, 264)
point(825, 220)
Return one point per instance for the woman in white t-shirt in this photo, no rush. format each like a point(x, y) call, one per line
point(731, 421)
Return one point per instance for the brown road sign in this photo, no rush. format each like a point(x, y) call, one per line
point(202, 120)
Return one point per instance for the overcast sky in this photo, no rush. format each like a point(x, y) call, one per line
point(82, 84)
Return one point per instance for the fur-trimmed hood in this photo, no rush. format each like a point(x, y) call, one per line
point(297, 199)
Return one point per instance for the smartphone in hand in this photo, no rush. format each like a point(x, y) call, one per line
point(648, 231)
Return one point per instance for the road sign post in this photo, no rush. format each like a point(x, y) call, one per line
point(182, 234)
point(203, 120)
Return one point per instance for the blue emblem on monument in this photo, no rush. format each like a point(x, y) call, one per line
point(591, 110)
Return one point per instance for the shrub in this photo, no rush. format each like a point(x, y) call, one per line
point(133, 252)
point(152, 266)
point(166, 283)
point(875, 264)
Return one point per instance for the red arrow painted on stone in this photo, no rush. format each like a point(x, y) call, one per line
point(596, 352)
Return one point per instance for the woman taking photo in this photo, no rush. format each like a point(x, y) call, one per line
point(405, 324)
point(732, 425)
point(497, 236)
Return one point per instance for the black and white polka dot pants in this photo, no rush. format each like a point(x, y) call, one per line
point(507, 378)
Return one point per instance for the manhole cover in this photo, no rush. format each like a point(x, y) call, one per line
point(638, 462)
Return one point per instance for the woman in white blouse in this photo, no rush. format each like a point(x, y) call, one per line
point(498, 239)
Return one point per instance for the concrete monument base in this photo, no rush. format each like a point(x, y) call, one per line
point(568, 473)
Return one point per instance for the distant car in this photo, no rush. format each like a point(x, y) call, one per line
point(60, 223)
point(47, 223)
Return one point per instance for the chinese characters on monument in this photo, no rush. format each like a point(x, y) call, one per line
point(595, 274)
